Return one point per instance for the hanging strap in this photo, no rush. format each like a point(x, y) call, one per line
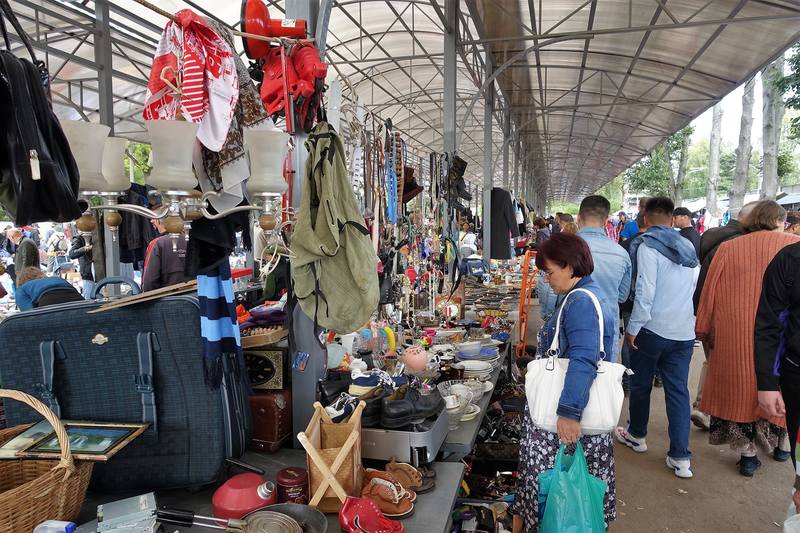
point(47, 355)
point(5, 10)
point(144, 381)
point(554, 345)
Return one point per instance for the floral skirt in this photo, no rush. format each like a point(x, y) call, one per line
point(537, 453)
point(743, 436)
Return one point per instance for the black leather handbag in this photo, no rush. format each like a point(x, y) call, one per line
point(38, 175)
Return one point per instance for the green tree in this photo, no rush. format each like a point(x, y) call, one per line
point(141, 165)
point(789, 85)
point(562, 207)
point(662, 172)
point(614, 192)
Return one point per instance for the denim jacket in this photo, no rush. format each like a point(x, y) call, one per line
point(580, 343)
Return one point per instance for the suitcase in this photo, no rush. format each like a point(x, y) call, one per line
point(131, 364)
point(272, 419)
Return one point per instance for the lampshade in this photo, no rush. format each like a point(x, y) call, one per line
point(116, 178)
point(84, 139)
point(267, 150)
point(173, 144)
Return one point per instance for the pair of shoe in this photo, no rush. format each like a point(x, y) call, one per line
point(362, 515)
point(383, 489)
point(342, 408)
point(749, 464)
point(371, 415)
point(407, 406)
point(364, 382)
point(681, 467)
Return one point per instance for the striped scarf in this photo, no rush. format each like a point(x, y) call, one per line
point(219, 328)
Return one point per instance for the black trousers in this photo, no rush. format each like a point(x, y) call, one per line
point(790, 388)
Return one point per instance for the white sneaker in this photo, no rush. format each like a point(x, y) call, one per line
point(700, 419)
point(681, 467)
point(635, 444)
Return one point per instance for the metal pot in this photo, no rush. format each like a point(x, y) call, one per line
point(280, 518)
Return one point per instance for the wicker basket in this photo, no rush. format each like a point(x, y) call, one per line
point(32, 490)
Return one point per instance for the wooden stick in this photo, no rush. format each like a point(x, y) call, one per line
point(170, 290)
point(279, 40)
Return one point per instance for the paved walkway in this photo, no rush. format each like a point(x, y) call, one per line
point(716, 500)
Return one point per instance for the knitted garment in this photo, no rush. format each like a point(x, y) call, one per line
point(727, 313)
point(197, 60)
point(219, 328)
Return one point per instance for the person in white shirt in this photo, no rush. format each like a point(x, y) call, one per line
point(467, 241)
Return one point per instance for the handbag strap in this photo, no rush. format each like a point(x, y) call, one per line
point(5, 10)
point(554, 345)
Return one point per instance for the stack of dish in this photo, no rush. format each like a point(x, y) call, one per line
point(473, 369)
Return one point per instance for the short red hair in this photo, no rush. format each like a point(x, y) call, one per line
point(565, 249)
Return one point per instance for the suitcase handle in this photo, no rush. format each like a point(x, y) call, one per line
point(244, 466)
point(115, 280)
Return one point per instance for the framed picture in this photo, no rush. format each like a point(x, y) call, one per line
point(88, 441)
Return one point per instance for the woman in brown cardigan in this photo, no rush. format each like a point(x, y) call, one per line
point(725, 319)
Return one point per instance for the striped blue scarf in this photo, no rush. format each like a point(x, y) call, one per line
point(218, 326)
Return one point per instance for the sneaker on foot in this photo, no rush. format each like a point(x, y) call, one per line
point(781, 455)
point(748, 465)
point(700, 419)
point(681, 467)
point(634, 443)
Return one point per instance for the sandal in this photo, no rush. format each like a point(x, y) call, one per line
point(371, 474)
point(361, 514)
point(386, 496)
point(409, 477)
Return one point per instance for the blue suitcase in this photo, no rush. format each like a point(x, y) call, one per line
point(137, 363)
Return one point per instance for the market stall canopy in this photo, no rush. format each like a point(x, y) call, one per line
point(589, 86)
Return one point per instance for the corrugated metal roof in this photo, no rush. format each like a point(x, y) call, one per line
point(591, 85)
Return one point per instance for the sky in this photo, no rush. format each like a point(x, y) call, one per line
point(731, 117)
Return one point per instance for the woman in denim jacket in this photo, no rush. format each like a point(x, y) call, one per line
point(567, 264)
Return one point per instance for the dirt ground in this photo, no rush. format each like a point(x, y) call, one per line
point(716, 500)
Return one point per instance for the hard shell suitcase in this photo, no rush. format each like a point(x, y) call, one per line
point(137, 363)
point(272, 419)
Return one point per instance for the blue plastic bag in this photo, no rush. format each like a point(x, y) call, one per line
point(570, 498)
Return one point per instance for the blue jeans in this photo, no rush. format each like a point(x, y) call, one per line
point(88, 287)
point(671, 359)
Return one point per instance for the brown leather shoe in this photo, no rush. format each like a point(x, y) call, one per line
point(409, 477)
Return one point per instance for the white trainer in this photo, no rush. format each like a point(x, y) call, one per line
point(634, 443)
point(700, 419)
point(681, 467)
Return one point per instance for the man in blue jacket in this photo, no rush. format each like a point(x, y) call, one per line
point(661, 332)
point(612, 265)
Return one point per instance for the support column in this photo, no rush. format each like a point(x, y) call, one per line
point(308, 10)
point(506, 136)
point(104, 60)
point(450, 77)
point(488, 148)
point(304, 382)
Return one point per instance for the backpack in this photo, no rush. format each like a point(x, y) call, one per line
point(335, 271)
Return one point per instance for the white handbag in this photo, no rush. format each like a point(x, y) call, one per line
point(544, 382)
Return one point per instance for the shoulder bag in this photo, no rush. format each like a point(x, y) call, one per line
point(544, 382)
point(38, 174)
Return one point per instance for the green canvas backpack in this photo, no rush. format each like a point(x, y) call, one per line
point(335, 268)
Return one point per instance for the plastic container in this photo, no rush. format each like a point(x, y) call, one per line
point(55, 526)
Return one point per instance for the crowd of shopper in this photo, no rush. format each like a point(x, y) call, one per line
point(670, 291)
